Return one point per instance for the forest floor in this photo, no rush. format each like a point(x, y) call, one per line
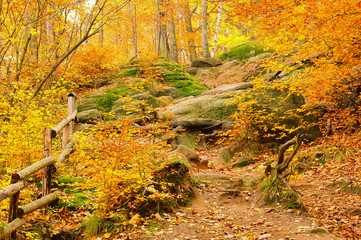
point(224, 207)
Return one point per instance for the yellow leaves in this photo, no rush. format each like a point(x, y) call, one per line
point(107, 235)
point(135, 220)
point(33, 31)
point(331, 208)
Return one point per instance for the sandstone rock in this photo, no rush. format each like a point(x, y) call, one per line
point(230, 75)
point(213, 177)
point(205, 107)
point(169, 91)
point(207, 73)
point(206, 62)
point(354, 211)
point(142, 96)
point(228, 88)
point(244, 161)
point(284, 109)
point(226, 154)
point(87, 104)
point(204, 164)
point(317, 230)
point(192, 70)
point(228, 65)
point(187, 152)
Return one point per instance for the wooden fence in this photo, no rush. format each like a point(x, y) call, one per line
point(47, 164)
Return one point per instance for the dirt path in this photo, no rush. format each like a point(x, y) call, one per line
point(224, 209)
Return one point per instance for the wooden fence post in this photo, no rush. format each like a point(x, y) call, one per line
point(69, 129)
point(14, 202)
point(47, 171)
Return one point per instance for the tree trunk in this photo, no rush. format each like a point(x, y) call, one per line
point(216, 33)
point(133, 12)
point(189, 30)
point(205, 46)
point(163, 48)
point(173, 42)
point(101, 36)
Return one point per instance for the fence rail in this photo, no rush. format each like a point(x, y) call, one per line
point(47, 164)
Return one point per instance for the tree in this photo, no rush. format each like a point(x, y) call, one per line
point(217, 29)
point(163, 47)
point(189, 29)
point(205, 47)
point(323, 36)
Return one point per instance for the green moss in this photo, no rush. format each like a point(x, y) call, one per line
point(170, 73)
point(347, 187)
point(220, 113)
point(95, 225)
point(70, 185)
point(275, 191)
point(176, 175)
point(129, 73)
point(243, 52)
point(188, 140)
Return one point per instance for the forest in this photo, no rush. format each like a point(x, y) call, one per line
point(180, 119)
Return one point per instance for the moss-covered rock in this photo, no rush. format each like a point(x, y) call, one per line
point(205, 106)
point(206, 62)
point(244, 161)
point(169, 91)
point(226, 154)
point(243, 52)
point(278, 114)
point(87, 104)
point(172, 74)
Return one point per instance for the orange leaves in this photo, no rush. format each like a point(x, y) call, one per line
point(120, 160)
point(323, 36)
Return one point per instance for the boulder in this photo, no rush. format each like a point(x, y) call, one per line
point(89, 116)
point(354, 211)
point(228, 88)
point(169, 91)
point(231, 75)
point(192, 70)
point(142, 96)
point(187, 153)
point(243, 161)
point(317, 230)
point(213, 177)
point(278, 115)
point(207, 73)
point(226, 154)
point(123, 107)
point(228, 65)
point(87, 104)
point(206, 62)
point(205, 107)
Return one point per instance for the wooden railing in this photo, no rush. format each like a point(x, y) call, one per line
point(47, 164)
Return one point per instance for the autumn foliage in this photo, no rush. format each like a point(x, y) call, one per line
point(324, 35)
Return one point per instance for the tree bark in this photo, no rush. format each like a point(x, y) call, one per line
point(173, 42)
point(63, 124)
point(163, 47)
point(37, 204)
point(12, 189)
point(216, 33)
point(133, 13)
point(189, 29)
point(205, 46)
point(11, 227)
